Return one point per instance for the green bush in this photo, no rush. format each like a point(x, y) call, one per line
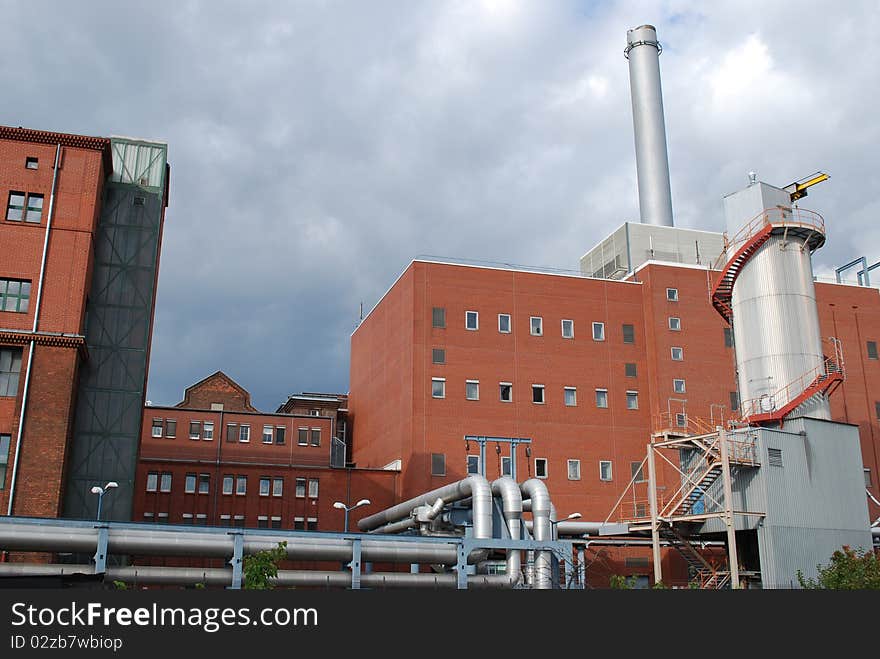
point(259, 569)
point(848, 570)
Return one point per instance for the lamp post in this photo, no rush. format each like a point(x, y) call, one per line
point(553, 524)
point(101, 491)
point(348, 509)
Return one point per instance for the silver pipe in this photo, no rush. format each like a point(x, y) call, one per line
point(649, 126)
point(395, 527)
point(512, 508)
point(27, 375)
point(574, 528)
point(474, 486)
point(535, 490)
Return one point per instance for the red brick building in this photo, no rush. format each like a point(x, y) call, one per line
point(215, 460)
point(586, 368)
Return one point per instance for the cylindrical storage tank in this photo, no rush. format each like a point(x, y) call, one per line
point(649, 126)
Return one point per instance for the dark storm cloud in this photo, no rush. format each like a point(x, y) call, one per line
point(317, 147)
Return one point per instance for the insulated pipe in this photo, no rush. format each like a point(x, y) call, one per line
point(649, 126)
point(406, 524)
point(474, 486)
point(223, 576)
point(27, 375)
point(536, 490)
point(512, 508)
point(575, 528)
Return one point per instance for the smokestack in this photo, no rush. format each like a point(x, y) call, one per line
point(652, 165)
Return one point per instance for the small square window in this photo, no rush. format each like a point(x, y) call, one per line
point(574, 470)
point(268, 432)
point(674, 323)
point(540, 467)
point(567, 329)
point(170, 428)
point(195, 429)
point(209, 431)
point(505, 390)
point(438, 355)
point(678, 386)
point(872, 350)
point(315, 436)
point(158, 427)
point(299, 524)
point(34, 210)
point(472, 389)
point(473, 464)
point(629, 370)
point(681, 420)
point(677, 354)
point(277, 487)
point(601, 398)
point(31, 163)
point(438, 464)
point(636, 472)
point(598, 331)
point(262, 521)
point(228, 484)
point(570, 396)
point(276, 522)
point(244, 434)
point(504, 323)
point(471, 320)
point(438, 388)
point(672, 294)
point(302, 436)
point(536, 326)
point(300, 492)
point(632, 400)
point(265, 485)
point(15, 206)
point(204, 483)
point(605, 470)
point(629, 333)
point(438, 317)
point(538, 393)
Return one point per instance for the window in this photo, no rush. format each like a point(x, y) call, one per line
point(276, 522)
point(158, 426)
point(165, 482)
point(536, 325)
point(506, 466)
point(231, 432)
point(5, 440)
point(265, 485)
point(505, 390)
point(629, 370)
point(148, 517)
point(681, 420)
point(774, 457)
point(672, 294)
point(227, 484)
point(170, 428)
point(540, 467)
point(224, 520)
point(244, 434)
point(438, 317)
point(216, 407)
point(438, 387)
point(641, 510)
point(313, 488)
point(238, 521)
point(636, 472)
point(300, 488)
point(299, 524)
point(241, 485)
point(201, 519)
point(204, 483)
point(438, 355)
point(277, 487)
point(209, 431)
point(316, 436)
point(10, 369)
point(187, 518)
point(471, 320)
point(279, 434)
point(598, 331)
point(601, 398)
point(629, 333)
point(867, 476)
point(472, 389)
point(734, 400)
point(31, 163)
point(678, 386)
point(677, 353)
point(314, 412)
point(262, 521)
point(163, 518)
point(674, 323)
point(189, 486)
point(302, 437)
point(570, 396)
point(632, 400)
point(438, 464)
point(473, 464)
point(504, 323)
point(311, 524)
point(15, 295)
point(27, 207)
point(872, 350)
point(574, 470)
point(877, 410)
point(605, 470)
point(152, 477)
point(267, 434)
point(728, 337)
point(538, 393)
point(567, 329)
point(195, 429)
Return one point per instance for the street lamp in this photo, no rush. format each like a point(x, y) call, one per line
point(101, 491)
point(348, 509)
point(554, 523)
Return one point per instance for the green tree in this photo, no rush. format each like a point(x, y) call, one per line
point(849, 570)
point(259, 569)
point(619, 582)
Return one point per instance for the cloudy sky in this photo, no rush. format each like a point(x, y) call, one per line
point(318, 146)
